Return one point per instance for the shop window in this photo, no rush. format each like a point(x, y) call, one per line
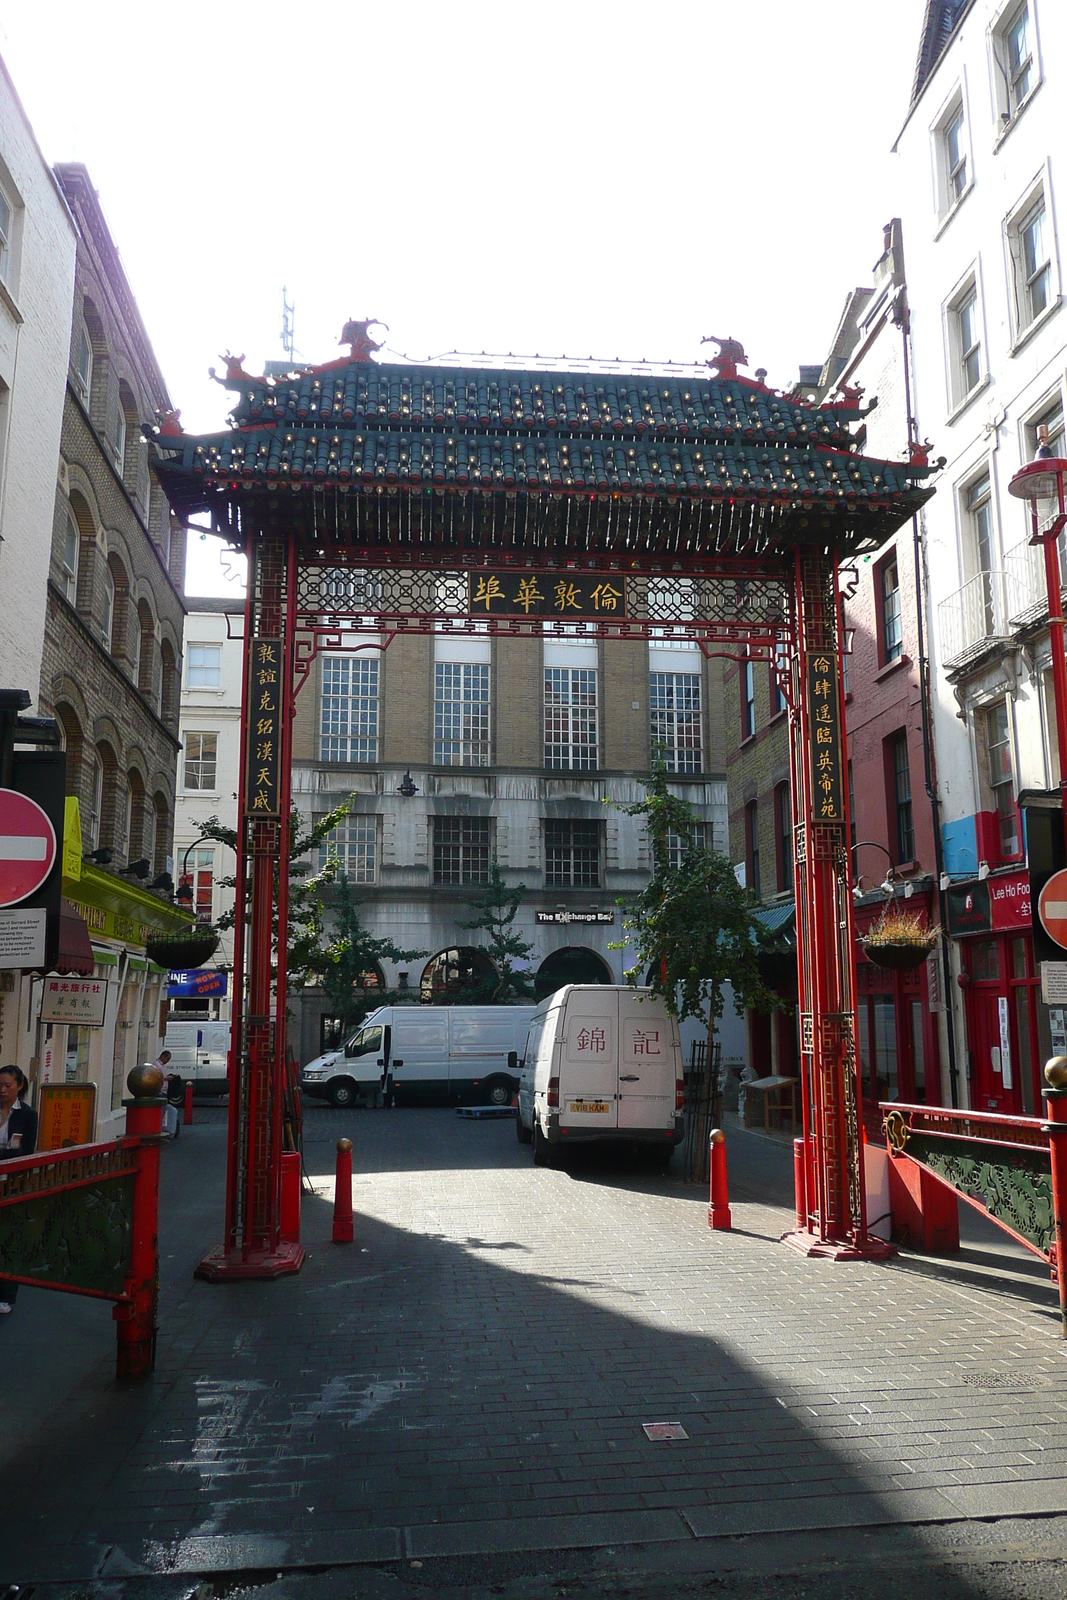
point(878, 1047)
point(985, 960)
point(918, 1053)
point(997, 773)
point(460, 850)
point(783, 814)
point(752, 871)
point(903, 828)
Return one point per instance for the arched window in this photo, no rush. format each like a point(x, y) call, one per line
point(119, 641)
point(138, 816)
point(72, 743)
point(144, 664)
point(71, 553)
point(460, 976)
point(572, 964)
point(107, 608)
point(83, 362)
point(168, 684)
point(161, 834)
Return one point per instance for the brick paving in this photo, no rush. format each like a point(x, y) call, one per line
point(471, 1376)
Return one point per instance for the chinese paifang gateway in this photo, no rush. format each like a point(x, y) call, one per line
point(391, 499)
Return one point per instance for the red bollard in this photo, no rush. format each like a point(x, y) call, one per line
point(187, 1115)
point(135, 1313)
point(1056, 1127)
point(342, 1194)
point(290, 1208)
point(719, 1209)
point(800, 1186)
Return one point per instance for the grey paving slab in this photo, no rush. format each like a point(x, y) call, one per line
point(543, 1533)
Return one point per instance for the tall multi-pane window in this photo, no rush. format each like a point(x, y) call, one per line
point(902, 815)
point(1028, 238)
point(674, 706)
point(349, 727)
point(570, 719)
point(460, 850)
point(678, 843)
point(1014, 40)
point(6, 218)
point(748, 699)
point(83, 363)
point(204, 666)
point(968, 345)
point(783, 817)
point(999, 775)
point(955, 157)
point(199, 878)
point(572, 855)
point(351, 848)
point(778, 671)
point(752, 872)
point(892, 626)
point(201, 755)
point(461, 714)
point(71, 547)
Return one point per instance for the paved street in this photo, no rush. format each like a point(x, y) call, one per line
point(464, 1387)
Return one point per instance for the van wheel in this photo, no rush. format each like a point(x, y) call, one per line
point(522, 1132)
point(499, 1092)
point(543, 1153)
point(342, 1093)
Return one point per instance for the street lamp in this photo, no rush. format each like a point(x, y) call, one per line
point(888, 884)
point(1041, 482)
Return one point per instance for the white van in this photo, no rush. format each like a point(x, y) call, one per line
point(425, 1055)
point(601, 1063)
point(199, 1052)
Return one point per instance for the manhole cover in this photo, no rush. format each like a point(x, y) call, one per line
point(664, 1430)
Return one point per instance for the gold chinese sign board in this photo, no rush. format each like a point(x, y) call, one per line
point(827, 755)
point(263, 763)
point(66, 1115)
point(546, 594)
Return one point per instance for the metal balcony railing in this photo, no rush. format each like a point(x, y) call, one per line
point(972, 618)
point(1026, 593)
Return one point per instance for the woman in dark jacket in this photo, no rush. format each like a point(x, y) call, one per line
point(18, 1137)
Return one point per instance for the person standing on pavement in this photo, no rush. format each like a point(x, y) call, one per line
point(18, 1137)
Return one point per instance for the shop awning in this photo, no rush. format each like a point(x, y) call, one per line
point(75, 950)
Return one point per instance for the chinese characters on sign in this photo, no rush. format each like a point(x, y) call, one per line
point(546, 594)
point(592, 1039)
point(647, 1044)
point(264, 728)
point(79, 1000)
point(824, 724)
point(67, 1115)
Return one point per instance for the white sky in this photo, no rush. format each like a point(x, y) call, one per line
point(589, 177)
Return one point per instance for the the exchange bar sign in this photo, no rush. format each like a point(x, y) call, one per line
point(824, 723)
point(263, 764)
point(546, 594)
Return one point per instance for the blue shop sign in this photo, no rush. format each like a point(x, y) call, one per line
point(203, 981)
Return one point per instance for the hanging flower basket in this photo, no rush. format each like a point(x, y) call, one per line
point(899, 940)
point(183, 951)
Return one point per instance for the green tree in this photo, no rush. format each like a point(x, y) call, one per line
point(694, 927)
point(345, 959)
point(495, 907)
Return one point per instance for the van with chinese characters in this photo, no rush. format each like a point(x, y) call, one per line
point(602, 1063)
point(425, 1055)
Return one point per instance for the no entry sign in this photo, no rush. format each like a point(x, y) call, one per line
point(1052, 908)
point(27, 847)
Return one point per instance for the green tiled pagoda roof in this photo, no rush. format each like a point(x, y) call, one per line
point(364, 395)
point(707, 465)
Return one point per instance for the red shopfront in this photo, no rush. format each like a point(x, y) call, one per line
point(898, 1042)
point(1008, 1034)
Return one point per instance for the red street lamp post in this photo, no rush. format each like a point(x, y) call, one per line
point(1041, 483)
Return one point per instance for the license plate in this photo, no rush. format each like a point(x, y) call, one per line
point(589, 1105)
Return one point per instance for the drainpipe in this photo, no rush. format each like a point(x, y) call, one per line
point(901, 311)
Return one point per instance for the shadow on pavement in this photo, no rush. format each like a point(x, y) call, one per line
point(431, 1398)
